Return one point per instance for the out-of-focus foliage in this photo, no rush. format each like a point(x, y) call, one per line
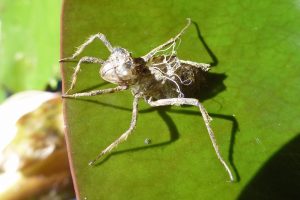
point(29, 44)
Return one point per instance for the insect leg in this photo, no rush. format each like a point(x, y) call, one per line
point(96, 92)
point(99, 36)
point(170, 41)
point(77, 68)
point(206, 118)
point(124, 136)
point(203, 66)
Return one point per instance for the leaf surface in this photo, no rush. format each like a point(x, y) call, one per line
point(255, 44)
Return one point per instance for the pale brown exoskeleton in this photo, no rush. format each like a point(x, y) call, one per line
point(156, 77)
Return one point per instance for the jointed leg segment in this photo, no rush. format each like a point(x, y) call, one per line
point(172, 40)
point(206, 118)
point(77, 68)
point(86, 59)
point(205, 67)
point(99, 36)
point(124, 136)
point(95, 92)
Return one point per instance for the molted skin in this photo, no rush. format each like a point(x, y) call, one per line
point(158, 77)
point(119, 67)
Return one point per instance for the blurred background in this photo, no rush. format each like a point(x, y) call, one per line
point(29, 45)
point(33, 158)
point(256, 45)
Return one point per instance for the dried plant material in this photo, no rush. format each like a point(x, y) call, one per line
point(34, 162)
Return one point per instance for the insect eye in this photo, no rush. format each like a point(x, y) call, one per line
point(128, 64)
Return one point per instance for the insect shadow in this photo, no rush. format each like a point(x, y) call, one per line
point(279, 176)
point(207, 85)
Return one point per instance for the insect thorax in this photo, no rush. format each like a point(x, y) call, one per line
point(119, 67)
point(159, 80)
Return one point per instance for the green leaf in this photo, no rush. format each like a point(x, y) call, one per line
point(255, 47)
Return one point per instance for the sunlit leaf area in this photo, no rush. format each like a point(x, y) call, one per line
point(251, 93)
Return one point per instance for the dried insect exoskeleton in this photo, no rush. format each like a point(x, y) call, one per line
point(156, 77)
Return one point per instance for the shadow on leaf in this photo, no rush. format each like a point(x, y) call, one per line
point(279, 177)
point(207, 86)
